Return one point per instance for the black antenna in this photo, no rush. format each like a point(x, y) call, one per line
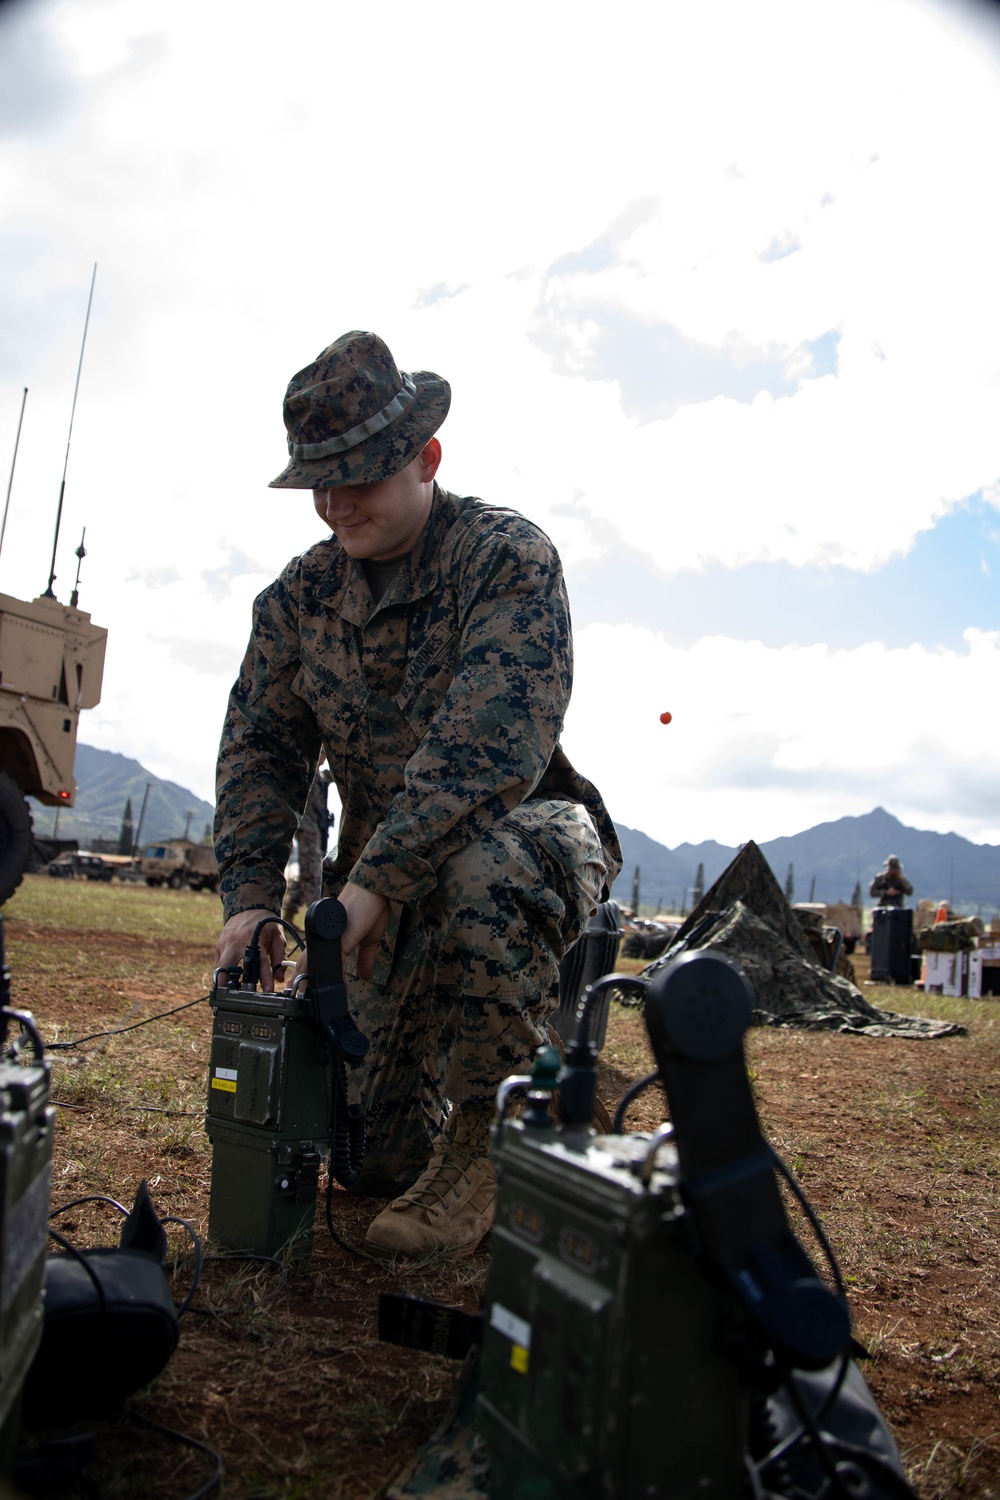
point(81, 553)
point(62, 488)
point(13, 461)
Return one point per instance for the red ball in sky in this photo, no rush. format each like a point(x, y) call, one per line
point(665, 718)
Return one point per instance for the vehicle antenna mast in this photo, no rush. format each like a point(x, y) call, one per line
point(62, 488)
point(81, 553)
point(13, 461)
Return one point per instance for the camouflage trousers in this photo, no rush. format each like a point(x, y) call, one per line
point(465, 980)
point(307, 886)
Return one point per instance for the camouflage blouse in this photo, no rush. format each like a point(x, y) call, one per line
point(440, 707)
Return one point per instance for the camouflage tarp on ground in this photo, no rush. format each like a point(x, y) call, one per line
point(453, 1464)
point(746, 917)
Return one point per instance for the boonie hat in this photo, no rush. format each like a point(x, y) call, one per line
point(352, 417)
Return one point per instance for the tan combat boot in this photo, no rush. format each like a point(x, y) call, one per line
point(450, 1206)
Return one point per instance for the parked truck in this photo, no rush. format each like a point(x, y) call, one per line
point(178, 863)
point(51, 667)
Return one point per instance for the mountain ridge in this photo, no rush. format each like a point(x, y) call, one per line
point(105, 781)
point(837, 854)
point(942, 866)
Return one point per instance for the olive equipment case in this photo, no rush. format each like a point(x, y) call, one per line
point(598, 1322)
point(892, 944)
point(599, 1319)
point(652, 1329)
point(27, 1126)
point(277, 1094)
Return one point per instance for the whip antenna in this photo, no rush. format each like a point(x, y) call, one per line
point(62, 488)
point(13, 461)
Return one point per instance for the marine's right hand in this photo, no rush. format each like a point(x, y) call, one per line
point(235, 938)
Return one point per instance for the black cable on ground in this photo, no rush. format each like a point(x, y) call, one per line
point(211, 1485)
point(629, 1097)
point(270, 1260)
point(161, 1109)
point(835, 1271)
point(75, 1454)
point(182, 1307)
point(144, 1109)
point(815, 1225)
point(265, 1260)
point(90, 1198)
point(120, 1030)
point(810, 1421)
point(355, 1250)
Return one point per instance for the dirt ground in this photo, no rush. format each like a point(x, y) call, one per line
point(894, 1142)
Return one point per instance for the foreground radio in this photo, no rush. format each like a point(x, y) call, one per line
point(27, 1128)
point(593, 1312)
point(652, 1328)
point(277, 1094)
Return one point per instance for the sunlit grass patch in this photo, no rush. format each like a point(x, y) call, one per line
point(114, 907)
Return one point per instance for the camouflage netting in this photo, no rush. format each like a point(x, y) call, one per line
point(955, 936)
point(746, 917)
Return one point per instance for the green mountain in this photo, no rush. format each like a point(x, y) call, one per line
point(827, 861)
point(105, 782)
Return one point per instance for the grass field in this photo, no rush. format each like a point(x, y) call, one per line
point(895, 1142)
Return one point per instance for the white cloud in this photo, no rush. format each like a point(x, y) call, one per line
point(765, 742)
point(250, 191)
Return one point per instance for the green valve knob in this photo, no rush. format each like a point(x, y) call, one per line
point(546, 1069)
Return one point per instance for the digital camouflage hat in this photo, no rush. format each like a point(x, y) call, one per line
point(352, 417)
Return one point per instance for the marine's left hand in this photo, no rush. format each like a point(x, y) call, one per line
point(367, 920)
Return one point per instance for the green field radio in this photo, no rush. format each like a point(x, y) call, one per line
point(277, 1093)
point(652, 1328)
point(27, 1127)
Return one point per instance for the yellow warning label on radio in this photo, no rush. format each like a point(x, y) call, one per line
point(519, 1359)
point(228, 1085)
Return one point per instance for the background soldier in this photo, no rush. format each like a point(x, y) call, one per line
point(425, 648)
point(311, 839)
point(890, 885)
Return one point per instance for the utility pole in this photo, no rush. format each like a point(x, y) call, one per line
point(142, 814)
point(125, 833)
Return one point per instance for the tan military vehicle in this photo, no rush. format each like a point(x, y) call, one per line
point(177, 863)
point(51, 666)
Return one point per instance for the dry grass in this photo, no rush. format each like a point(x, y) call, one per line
point(895, 1143)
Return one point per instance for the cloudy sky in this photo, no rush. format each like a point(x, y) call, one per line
point(715, 287)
